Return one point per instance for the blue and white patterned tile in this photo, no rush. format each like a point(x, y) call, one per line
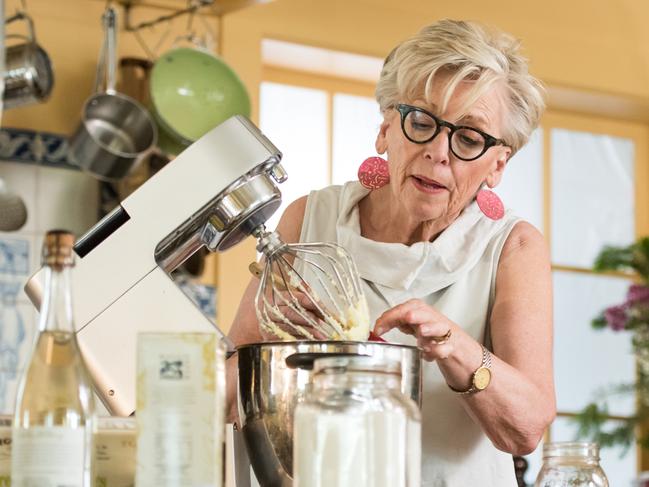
point(14, 256)
point(17, 330)
point(202, 295)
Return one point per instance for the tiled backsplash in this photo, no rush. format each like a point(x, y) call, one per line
point(55, 198)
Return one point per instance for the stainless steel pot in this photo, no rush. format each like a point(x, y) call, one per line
point(273, 379)
point(28, 75)
point(116, 132)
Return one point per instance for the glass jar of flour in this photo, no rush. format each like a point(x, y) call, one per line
point(571, 463)
point(355, 428)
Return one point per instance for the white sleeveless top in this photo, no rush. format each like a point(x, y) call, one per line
point(456, 274)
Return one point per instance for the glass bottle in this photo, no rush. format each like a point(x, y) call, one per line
point(54, 416)
point(571, 463)
point(356, 428)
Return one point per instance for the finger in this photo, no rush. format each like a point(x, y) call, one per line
point(436, 332)
point(407, 329)
point(432, 353)
point(399, 315)
point(424, 315)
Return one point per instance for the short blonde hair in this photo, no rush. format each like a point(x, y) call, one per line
point(465, 51)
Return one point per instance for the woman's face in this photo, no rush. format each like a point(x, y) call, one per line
point(427, 179)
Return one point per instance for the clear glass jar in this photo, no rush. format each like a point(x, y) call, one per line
point(571, 464)
point(355, 428)
point(642, 480)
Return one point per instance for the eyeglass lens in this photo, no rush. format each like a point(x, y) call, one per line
point(466, 143)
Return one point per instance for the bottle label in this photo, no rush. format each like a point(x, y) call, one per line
point(47, 456)
point(180, 408)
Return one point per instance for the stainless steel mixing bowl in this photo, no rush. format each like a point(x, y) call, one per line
point(273, 378)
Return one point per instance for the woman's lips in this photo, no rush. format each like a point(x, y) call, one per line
point(427, 185)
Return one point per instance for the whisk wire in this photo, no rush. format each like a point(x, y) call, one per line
point(324, 287)
point(308, 290)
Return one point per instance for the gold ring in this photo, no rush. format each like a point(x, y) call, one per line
point(439, 340)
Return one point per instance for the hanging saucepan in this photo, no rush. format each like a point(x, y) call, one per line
point(116, 131)
point(192, 91)
point(28, 74)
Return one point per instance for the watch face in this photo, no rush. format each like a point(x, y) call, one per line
point(481, 378)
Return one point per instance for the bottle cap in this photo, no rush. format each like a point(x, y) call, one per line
point(58, 248)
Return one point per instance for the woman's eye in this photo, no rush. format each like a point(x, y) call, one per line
point(422, 126)
point(469, 140)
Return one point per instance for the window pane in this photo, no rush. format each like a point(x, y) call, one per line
point(620, 470)
point(295, 120)
point(587, 360)
point(521, 188)
point(356, 122)
point(592, 195)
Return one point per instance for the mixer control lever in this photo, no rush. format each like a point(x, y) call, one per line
point(279, 173)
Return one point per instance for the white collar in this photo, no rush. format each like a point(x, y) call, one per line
point(424, 267)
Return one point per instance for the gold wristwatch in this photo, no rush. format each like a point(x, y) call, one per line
point(481, 377)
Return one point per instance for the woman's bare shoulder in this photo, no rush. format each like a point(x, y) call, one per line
point(525, 240)
point(290, 224)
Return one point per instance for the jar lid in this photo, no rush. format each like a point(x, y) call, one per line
point(341, 364)
point(574, 449)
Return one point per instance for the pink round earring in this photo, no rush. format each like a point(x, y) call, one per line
point(490, 204)
point(373, 173)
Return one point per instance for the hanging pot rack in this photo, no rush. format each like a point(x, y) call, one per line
point(191, 9)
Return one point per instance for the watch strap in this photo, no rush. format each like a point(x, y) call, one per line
point(486, 364)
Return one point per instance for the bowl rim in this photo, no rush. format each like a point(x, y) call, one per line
point(280, 344)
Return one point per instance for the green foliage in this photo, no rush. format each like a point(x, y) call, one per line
point(634, 258)
point(593, 423)
point(599, 322)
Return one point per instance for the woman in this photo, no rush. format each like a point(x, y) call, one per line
point(470, 286)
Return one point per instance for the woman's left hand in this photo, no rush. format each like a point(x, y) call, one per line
point(433, 330)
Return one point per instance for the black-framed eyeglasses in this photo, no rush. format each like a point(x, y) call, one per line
point(466, 143)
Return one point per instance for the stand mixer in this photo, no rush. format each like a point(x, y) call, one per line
point(212, 195)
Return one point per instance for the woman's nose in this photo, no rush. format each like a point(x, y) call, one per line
point(439, 149)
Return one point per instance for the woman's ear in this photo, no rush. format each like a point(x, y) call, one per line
point(495, 175)
point(381, 144)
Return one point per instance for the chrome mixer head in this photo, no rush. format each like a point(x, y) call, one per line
point(309, 291)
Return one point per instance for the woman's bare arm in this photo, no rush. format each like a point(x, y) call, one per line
point(520, 405)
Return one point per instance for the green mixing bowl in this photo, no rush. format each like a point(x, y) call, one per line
point(192, 92)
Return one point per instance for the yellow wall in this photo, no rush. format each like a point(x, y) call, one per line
point(597, 46)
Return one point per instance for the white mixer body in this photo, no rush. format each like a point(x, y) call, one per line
point(121, 282)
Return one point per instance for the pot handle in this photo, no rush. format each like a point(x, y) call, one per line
point(108, 55)
point(30, 25)
point(305, 360)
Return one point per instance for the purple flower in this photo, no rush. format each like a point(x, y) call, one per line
point(637, 294)
point(616, 317)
